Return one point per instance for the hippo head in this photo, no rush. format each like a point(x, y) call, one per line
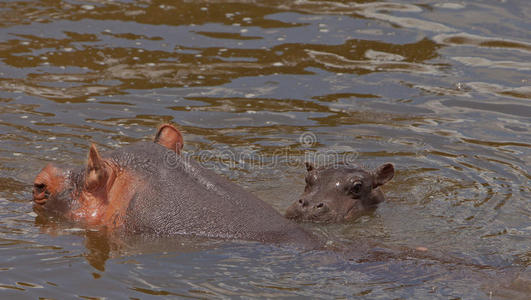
point(96, 192)
point(340, 193)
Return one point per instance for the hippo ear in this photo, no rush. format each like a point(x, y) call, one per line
point(309, 166)
point(169, 137)
point(97, 173)
point(383, 174)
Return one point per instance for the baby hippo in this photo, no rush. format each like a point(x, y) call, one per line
point(340, 193)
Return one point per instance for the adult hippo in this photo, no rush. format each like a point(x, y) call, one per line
point(148, 187)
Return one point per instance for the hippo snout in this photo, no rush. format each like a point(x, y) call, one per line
point(304, 209)
point(49, 180)
point(294, 211)
point(40, 194)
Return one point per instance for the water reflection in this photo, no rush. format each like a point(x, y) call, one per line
point(131, 68)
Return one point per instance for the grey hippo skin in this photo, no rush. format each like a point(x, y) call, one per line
point(339, 193)
point(149, 187)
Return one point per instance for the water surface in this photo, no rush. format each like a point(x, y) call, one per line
point(440, 89)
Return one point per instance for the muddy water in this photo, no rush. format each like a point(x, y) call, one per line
point(441, 89)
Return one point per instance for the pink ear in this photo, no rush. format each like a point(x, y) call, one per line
point(96, 176)
point(169, 137)
point(383, 174)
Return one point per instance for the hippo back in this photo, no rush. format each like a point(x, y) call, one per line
point(179, 197)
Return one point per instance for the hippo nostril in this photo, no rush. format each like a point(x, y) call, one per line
point(39, 187)
point(40, 193)
point(303, 203)
point(320, 205)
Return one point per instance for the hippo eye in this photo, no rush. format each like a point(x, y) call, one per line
point(320, 205)
point(356, 187)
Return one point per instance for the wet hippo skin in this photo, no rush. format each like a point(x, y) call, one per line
point(149, 187)
point(339, 193)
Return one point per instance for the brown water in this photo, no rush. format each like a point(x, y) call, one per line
point(441, 89)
